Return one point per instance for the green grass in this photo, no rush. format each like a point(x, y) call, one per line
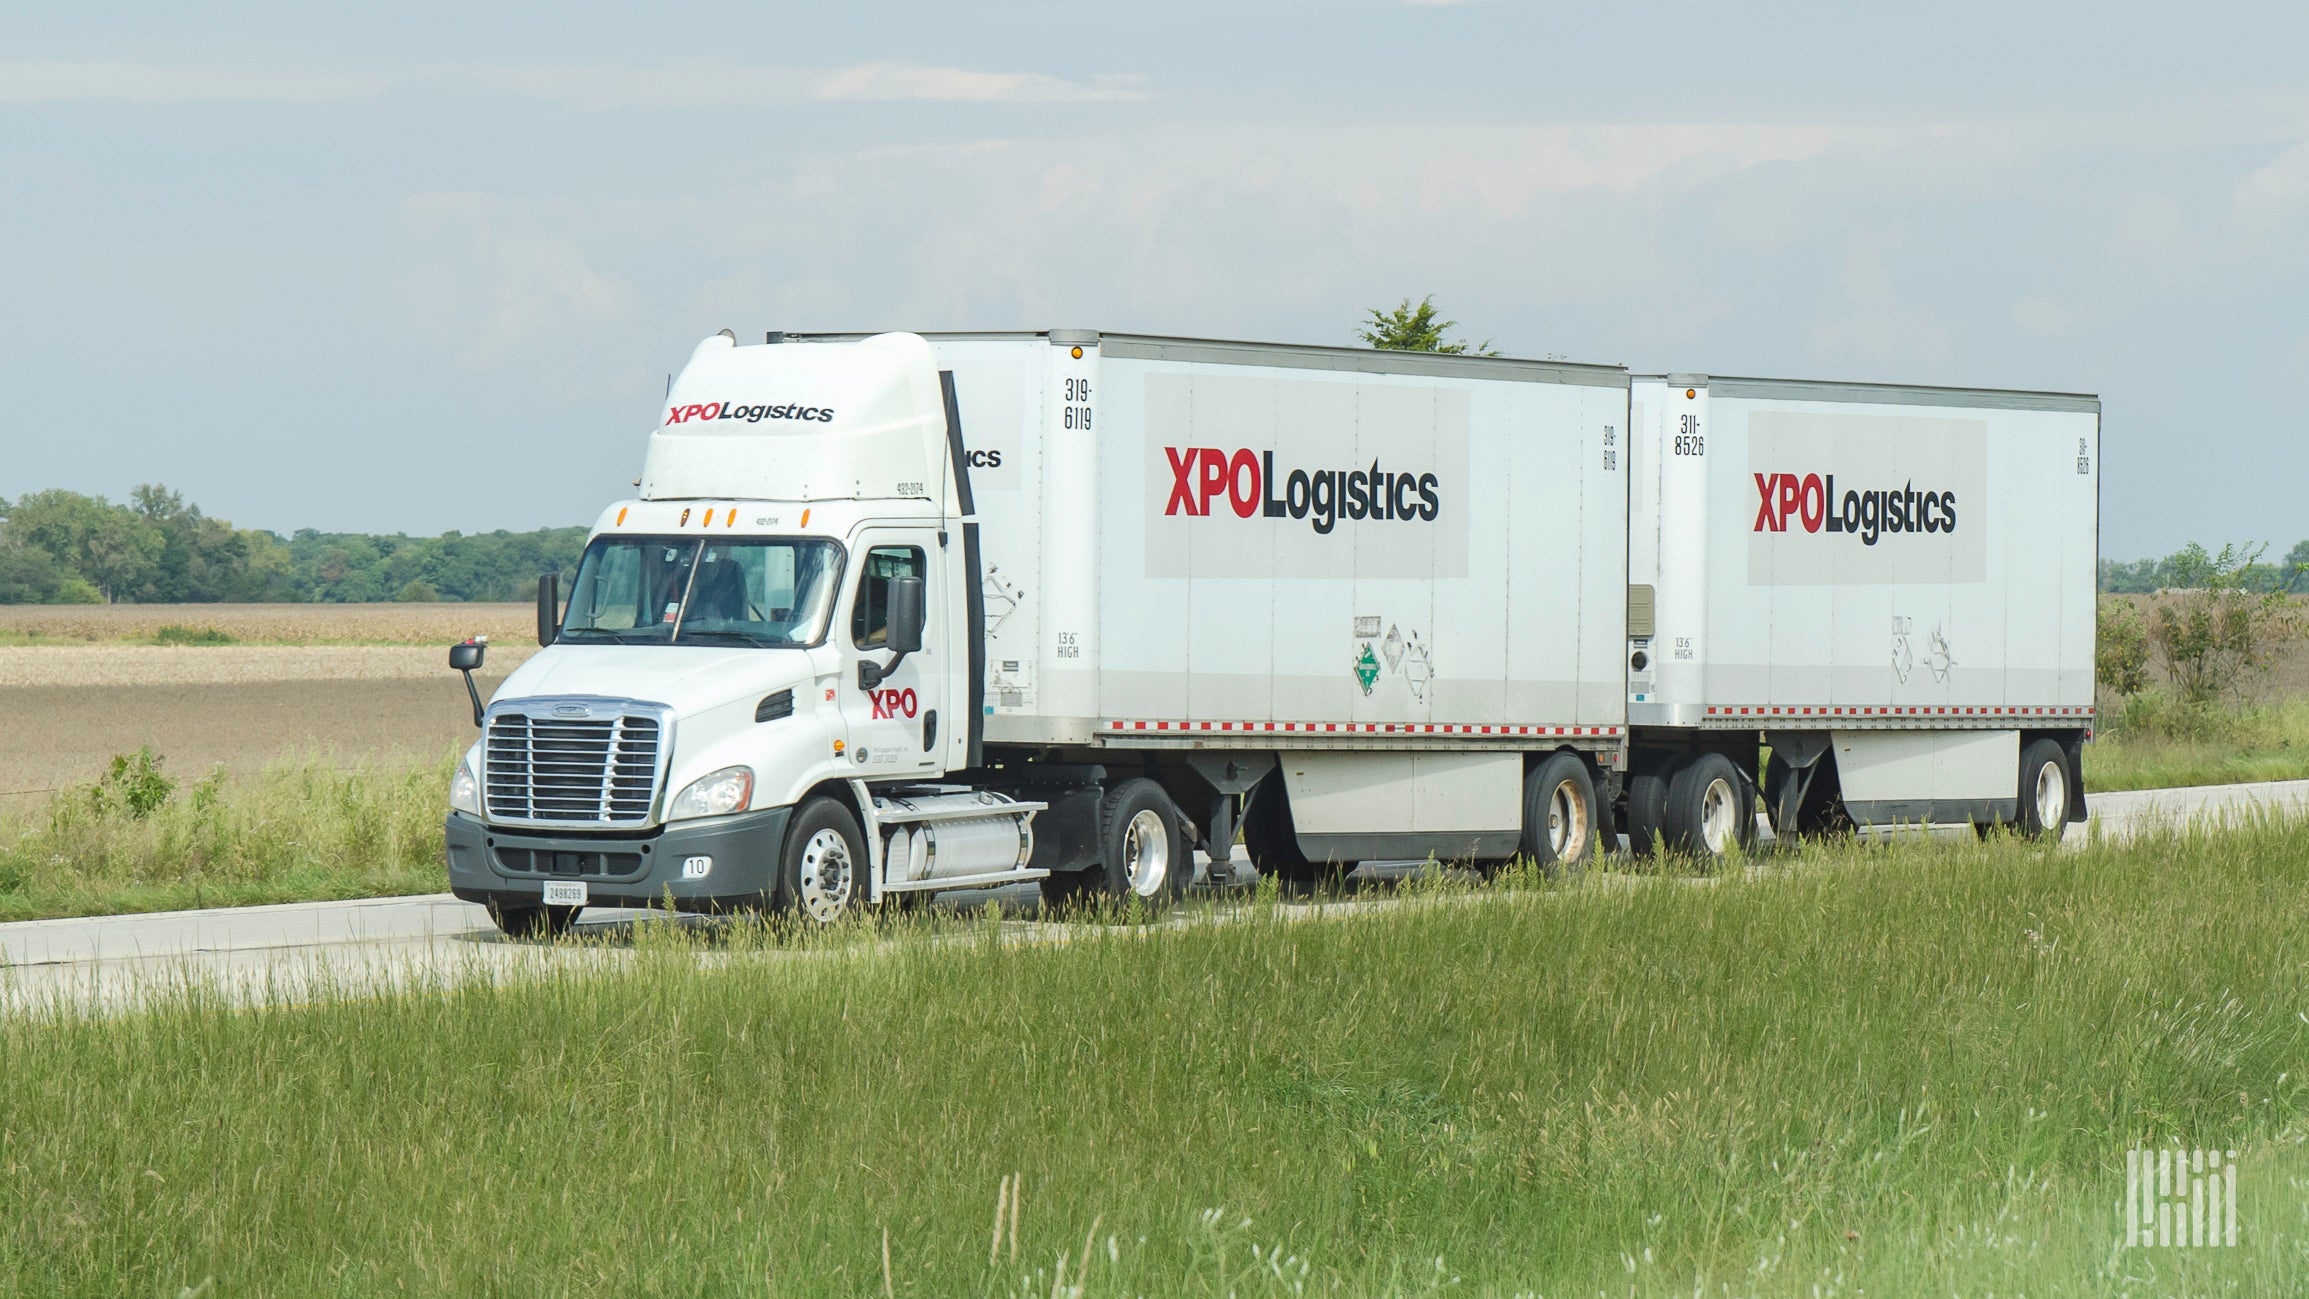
point(2149, 743)
point(301, 831)
point(1886, 1071)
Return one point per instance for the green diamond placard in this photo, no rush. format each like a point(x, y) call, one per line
point(1367, 668)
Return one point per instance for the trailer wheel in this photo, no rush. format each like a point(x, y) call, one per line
point(533, 922)
point(822, 877)
point(1559, 814)
point(2044, 784)
point(1142, 845)
point(1647, 810)
point(1711, 807)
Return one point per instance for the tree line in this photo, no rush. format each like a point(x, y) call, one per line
point(2192, 567)
point(60, 547)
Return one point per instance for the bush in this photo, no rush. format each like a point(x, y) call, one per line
point(179, 634)
point(134, 787)
point(2121, 647)
point(2214, 634)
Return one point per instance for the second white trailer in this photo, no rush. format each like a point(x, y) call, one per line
point(1889, 588)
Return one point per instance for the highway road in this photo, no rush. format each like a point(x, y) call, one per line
point(302, 951)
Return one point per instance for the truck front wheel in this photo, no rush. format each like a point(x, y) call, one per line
point(822, 876)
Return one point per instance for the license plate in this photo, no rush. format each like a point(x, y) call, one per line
point(565, 893)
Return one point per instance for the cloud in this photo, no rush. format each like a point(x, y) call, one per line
point(699, 83)
point(2271, 192)
point(713, 83)
point(523, 282)
point(139, 83)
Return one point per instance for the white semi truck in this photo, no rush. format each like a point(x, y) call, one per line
point(901, 613)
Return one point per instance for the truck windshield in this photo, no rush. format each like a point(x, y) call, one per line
point(683, 590)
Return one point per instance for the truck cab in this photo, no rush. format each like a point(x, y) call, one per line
point(762, 670)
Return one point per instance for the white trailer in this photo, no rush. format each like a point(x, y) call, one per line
point(895, 614)
point(1890, 588)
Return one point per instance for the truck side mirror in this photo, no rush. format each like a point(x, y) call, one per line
point(464, 658)
point(905, 615)
point(903, 633)
point(548, 608)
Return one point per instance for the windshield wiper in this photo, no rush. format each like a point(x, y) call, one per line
point(754, 639)
point(621, 638)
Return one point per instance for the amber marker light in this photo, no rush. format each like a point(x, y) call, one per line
point(684, 519)
point(621, 518)
point(805, 518)
point(1691, 392)
point(1078, 354)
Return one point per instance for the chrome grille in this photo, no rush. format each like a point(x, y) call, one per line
point(573, 770)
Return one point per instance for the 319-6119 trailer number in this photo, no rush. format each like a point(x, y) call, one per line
point(1077, 413)
point(1689, 442)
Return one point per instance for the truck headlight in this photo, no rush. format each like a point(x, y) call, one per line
point(717, 793)
point(464, 789)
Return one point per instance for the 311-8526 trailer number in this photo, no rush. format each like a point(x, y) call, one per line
point(1689, 442)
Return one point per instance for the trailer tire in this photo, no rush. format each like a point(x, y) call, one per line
point(1142, 845)
point(1711, 807)
point(1647, 810)
point(533, 922)
point(2044, 790)
point(1559, 813)
point(822, 873)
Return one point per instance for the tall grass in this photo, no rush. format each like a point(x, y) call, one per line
point(1891, 1071)
point(2151, 741)
point(139, 841)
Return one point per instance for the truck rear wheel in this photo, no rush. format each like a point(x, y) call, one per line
point(822, 875)
point(1143, 849)
point(2044, 785)
point(1710, 807)
point(1559, 814)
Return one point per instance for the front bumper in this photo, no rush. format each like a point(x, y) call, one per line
point(510, 867)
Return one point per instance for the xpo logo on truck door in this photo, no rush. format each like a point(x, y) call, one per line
point(1845, 499)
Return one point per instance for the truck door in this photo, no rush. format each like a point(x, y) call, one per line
point(894, 728)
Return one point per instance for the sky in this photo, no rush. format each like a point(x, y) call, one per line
point(425, 266)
